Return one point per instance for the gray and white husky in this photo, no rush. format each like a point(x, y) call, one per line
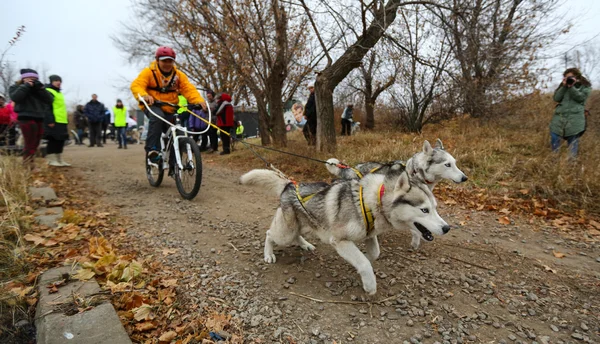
point(335, 214)
point(428, 166)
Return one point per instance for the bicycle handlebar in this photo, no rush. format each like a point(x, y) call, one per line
point(177, 106)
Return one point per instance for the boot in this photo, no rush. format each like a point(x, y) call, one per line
point(53, 160)
point(61, 161)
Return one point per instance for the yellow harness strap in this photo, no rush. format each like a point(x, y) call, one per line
point(366, 211)
point(304, 199)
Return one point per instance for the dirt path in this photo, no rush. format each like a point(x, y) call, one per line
point(483, 283)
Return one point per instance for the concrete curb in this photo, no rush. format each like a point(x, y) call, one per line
point(99, 324)
point(76, 313)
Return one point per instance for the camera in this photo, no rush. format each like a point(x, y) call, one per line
point(570, 80)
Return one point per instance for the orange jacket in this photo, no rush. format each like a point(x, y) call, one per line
point(145, 84)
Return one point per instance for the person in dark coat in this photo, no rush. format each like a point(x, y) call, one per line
point(105, 125)
point(81, 123)
point(55, 128)
point(94, 111)
point(32, 104)
point(225, 120)
point(347, 120)
point(211, 133)
point(310, 113)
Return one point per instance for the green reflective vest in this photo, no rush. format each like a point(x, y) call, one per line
point(182, 102)
point(59, 108)
point(239, 130)
point(120, 117)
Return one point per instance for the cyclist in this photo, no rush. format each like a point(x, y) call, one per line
point(162, 81)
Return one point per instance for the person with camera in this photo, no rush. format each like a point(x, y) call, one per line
point(162, 81)
point(568, 121)
point(95, 113)
point(347, 120)
point(32, 105)
point(55, 130)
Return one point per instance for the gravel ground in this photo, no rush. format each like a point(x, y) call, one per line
point(483, 283)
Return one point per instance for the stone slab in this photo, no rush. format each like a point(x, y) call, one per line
point(97, 325)
point(48, 216)
point(47, 193)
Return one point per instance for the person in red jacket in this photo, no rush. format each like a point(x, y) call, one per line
point(8, 119)
point(225, 120)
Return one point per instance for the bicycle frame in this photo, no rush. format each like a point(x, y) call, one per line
point(173, 143)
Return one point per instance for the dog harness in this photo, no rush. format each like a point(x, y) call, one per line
point(366, 211)
point(304, 199)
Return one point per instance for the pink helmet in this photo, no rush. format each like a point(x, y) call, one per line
point(165, 53)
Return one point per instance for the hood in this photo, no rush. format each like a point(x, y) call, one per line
point(225, 97)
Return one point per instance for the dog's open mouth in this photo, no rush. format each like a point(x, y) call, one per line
point(424, 231)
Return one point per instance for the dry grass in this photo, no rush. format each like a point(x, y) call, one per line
point(504, 155)
point(13, 191)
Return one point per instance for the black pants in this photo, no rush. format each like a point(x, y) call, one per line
point(95, 134)
point(211, 135)
point(55, 146)
point(346, 127)
point(155, 128)
point(310, 133)
point(104, 131)
point(226, 139)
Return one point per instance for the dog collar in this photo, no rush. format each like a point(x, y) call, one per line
point(425, 180)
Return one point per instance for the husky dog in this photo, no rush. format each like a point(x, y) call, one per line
point(429, 166)
point(347, 212)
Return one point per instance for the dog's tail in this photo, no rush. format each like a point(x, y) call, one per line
point(332, 167)
point(267, 179)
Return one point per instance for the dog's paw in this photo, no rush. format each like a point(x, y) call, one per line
point(370, 288)
point(270, 258)
point(307, 246)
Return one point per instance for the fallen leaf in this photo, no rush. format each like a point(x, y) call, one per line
point(169, 283)
point(168, 251)
point(84, 274)
point(145, 326)
point(595, 224)
point(144, 312)
point(524, 191)
point(168, 336)
point(133, 270)
point(36, 239)
point(558, 254)
point(50, 242)
point(505, 211)
point(504, 220)
point(53, 290)
point(547, 268)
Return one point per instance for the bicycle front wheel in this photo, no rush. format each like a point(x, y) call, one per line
point(189, 178)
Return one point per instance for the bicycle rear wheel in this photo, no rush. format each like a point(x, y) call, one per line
point(189, 178)
point(154, 172)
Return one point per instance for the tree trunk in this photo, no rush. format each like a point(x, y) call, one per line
point(475, 99)
point(370, 112)
point(326, 141)
point(277, 125)
point(263, 122)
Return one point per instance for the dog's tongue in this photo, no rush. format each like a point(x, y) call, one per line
point(424, 232)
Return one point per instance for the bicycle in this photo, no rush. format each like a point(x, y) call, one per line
point(187, 168)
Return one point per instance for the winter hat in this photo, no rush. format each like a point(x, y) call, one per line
point(119, 101)
point(29, 73)
point(54, 78)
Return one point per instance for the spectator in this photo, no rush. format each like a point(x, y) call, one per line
point(225, 120)
point(8, 119)
point(81, 123)
point(105, 125)
point(32, 104)
point(347, 120)
point(211, 134)
point(310, 113)
point(94, 111)
point(184, 115)
point(568, 122)
point(120, 123)
point(55, 129)
point(195, 124)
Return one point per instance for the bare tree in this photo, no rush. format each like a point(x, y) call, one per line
point(495, 43)
point(420, 83)
point(375, 17)
point(8, 71)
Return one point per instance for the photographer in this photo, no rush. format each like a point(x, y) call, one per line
point(32, 104)
point(568, 122)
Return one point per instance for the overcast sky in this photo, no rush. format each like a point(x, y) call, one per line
point(71, 38)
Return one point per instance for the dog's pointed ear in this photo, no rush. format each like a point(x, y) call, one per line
point(439, 144)
point(427, 148)
point(403, 184)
